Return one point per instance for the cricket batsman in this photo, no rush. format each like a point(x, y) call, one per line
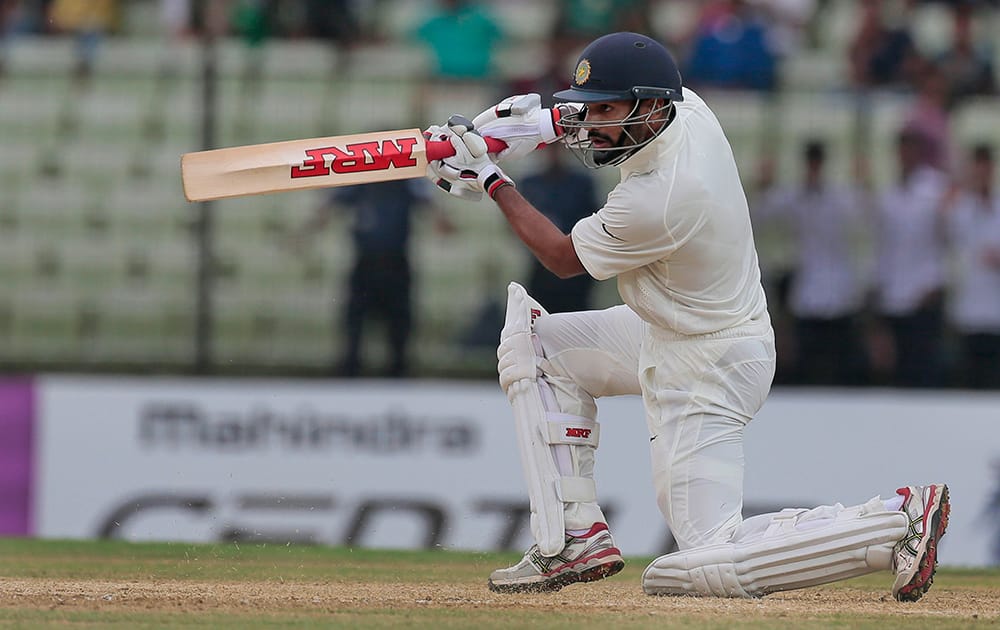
point(693, 338)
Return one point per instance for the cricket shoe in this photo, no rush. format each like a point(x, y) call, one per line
point(915, 556)
point(586, 558)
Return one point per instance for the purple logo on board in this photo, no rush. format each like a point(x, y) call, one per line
point(16, 417)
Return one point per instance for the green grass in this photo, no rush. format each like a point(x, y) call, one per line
point(82, 560)
point(111, 584)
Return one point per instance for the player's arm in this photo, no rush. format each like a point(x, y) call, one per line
point(547, 242)
point(470, 173)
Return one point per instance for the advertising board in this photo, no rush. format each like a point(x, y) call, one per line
point(434, 464)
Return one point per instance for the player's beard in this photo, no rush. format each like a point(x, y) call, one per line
point(615, 148)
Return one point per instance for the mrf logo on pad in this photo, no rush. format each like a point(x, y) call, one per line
point(577, 432)
point(358, 157)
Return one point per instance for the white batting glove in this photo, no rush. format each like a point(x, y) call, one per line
point(446, 178)
point(471, 164)
point(521, 122)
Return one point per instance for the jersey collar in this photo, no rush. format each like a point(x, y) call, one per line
point(646, 158)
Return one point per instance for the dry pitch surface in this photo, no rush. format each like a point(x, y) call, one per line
point(122, 585)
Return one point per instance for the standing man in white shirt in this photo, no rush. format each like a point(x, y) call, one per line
point(693, 338)
point(826, 294)
point(911, 264)
point(973, 215)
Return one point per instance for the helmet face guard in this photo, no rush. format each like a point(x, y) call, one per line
point(637, 130)
point(621, 67)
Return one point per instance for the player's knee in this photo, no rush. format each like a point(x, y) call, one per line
point(550, 331)
point(698, 516)
point(689, 535)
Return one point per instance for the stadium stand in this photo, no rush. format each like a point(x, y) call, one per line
point(98, 262)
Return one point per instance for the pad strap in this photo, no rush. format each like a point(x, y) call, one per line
point(564, 428)
point(576, 490)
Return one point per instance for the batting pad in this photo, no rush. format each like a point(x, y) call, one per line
point(793, 553)
point(549, 441)
point(548, 488)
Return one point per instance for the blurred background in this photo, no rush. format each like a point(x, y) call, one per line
point(106, 268)
point(865, 131)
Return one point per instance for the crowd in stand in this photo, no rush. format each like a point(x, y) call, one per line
point(922, 309)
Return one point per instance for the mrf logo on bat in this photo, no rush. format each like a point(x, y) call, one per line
point(358, 157)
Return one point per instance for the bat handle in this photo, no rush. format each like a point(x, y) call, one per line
point(440, 149)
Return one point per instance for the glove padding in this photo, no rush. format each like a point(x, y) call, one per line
point(444, 177)
point(521, 122)
point(470, 169)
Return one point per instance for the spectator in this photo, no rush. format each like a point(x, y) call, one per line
point(911, 269)
point(462, 37)
point(564, 195)
point(482, 332)
point(880, 54)
point(973, 218)
point(967, 66)
point(90, 21)
point(929, 116)
point(580, 21)
point(380, 281)
point(24, 16)
point(252, 19)
point(337, 22)
point(175, 17)
point(789, 20)
point(825, 296)
point(731, 48)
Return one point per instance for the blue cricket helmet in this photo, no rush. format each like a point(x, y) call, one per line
point(624, 66)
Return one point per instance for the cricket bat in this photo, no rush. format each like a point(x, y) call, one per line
point(312, 163)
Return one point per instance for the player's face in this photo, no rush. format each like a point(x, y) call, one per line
point(608, 132)
point(604, 136)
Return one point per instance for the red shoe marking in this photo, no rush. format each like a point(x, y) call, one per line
point(613, 551)
point(930, 501)
point(594, 529)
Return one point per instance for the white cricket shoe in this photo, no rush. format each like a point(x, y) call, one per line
point(915, 556)
point(587, 558)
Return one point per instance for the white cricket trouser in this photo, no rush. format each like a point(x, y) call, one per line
point(699, 393)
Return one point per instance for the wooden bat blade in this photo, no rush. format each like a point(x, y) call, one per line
point(303, 164)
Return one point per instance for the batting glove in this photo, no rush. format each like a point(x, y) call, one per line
point(471, 164)
point(444, 177)
point(521, 122)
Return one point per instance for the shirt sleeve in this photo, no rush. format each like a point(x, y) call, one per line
point(634, 228)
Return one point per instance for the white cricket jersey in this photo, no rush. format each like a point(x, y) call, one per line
point(911, 242)
point(676, 231)
point(975, 230)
